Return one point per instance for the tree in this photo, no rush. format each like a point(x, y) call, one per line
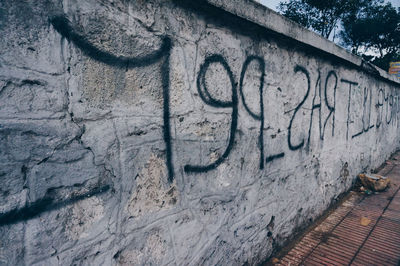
point(320, 16)
point(355, 33)
point(383, 62)
point(375, 28)
point(368, 26)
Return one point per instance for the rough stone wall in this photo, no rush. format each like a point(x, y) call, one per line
point(172, 132)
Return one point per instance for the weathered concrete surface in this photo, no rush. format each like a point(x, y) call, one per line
point(175, 132)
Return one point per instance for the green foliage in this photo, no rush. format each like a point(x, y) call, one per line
point(375, 27)
point(367, 25)
point(320, 16)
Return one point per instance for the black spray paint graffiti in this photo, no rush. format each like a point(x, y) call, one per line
point(388, 104)
point(351, 83)
point(62, 26)
point(329, 89)
point(316, 104)
point(162, 55)
point(48, 203)
point(392, 106)
point(260, 116)
point(379, 105)
point(273, 157)
point(208, 99)
point(366, 126)
point(330, 107)
point(292, 146)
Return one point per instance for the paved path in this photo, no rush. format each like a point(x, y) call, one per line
point(341, 239)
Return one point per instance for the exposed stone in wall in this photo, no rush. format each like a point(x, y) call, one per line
point(174, 132)
point(149, 195)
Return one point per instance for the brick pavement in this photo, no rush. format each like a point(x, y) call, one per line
point(341, 239)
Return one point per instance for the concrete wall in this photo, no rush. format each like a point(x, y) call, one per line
point(175, 132)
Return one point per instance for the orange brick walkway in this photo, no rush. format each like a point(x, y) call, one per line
point(341, 239)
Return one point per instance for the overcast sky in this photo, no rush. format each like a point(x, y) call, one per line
point(271, 3)
point(274, 3)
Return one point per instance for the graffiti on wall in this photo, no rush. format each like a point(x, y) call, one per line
point(62, 26)
point(387, 104)
point(323, 95)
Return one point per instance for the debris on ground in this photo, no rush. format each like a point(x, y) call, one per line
point(364, 190)
point(364, 221)
point(373, 182)
point(275, 261)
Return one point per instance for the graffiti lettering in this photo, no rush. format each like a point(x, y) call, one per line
point(351, 83)
point(379, 105)
point(366, 111)
point(162, 56)
point(62, 26)
point(301, 143)
point(276, 156)
point(208, 99)
point(330, 107)
point(260, 116)
point(389, 100)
